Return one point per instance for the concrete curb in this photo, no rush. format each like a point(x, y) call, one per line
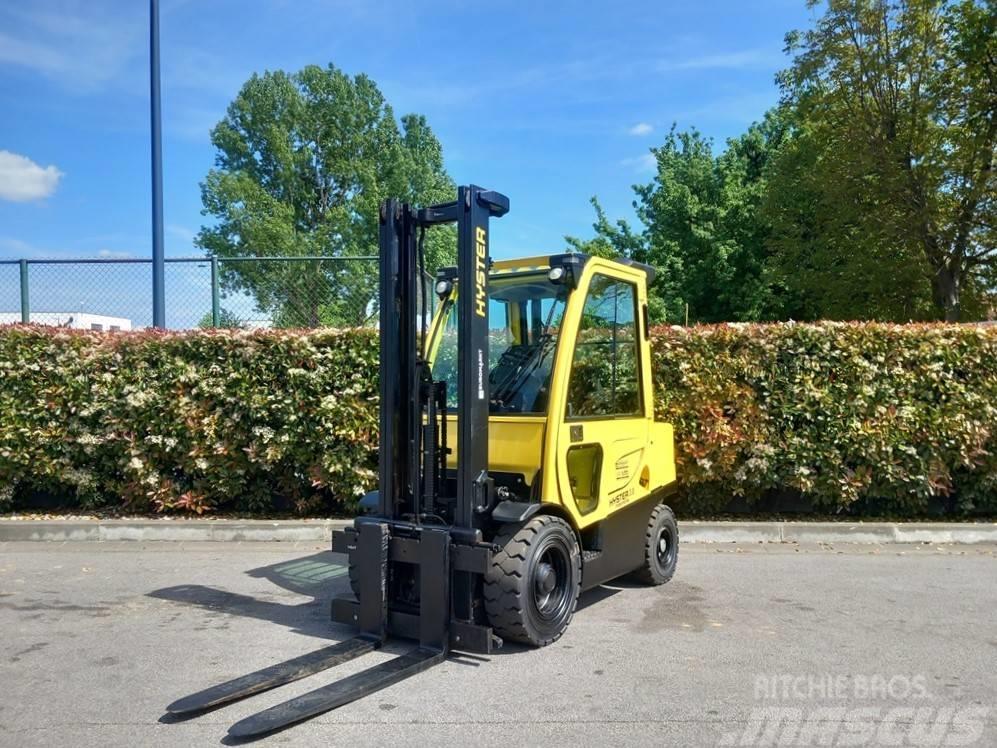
point(320, 531)
point(838, 532)
point(181, 530)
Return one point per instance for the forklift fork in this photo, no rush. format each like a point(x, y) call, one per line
point(272, 676)
point(373, 558)
point(372, 616)
point(336, 694)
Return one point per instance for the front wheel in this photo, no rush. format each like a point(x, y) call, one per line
point(532, 587)
point(661, 547)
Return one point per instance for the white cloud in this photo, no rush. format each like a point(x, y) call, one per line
point(89, 47)
point(113, 254)
point(643, 163)
point(21, 179)
point(641, 128)
point(743, 107)
point(748, 58)
point(83, 46)
point(180, 232)
point(16, 248)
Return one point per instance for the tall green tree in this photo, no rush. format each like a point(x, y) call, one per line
point(303, 160)
point(226, 319)
point(826, 245)
point(613, 240)
point(888, 201)
point(702, 227)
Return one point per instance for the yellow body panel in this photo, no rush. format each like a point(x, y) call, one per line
point(637, 452)
point(514, 444)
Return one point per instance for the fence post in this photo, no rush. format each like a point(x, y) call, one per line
point(216, 311)
point(155, 115)
point(25, 304)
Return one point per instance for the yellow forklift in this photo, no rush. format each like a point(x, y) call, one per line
point(520, 460)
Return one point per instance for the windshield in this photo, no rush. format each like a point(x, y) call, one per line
point(524, 317)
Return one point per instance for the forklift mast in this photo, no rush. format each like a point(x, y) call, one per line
point(418, 574)
point(420, 557)
point(413, 407)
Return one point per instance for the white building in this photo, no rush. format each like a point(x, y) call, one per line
point(72, 320)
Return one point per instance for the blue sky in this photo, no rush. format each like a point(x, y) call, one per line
point(550, 103)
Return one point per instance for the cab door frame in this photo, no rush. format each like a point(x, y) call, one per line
point(564, 432)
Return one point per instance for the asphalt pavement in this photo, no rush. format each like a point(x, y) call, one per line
point(757, 644)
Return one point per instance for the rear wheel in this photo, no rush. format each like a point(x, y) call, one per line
point(532, 587)
point(661, 547)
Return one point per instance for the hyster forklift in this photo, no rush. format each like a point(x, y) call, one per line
point(520, 461)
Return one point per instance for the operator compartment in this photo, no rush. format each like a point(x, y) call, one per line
point(525, 309)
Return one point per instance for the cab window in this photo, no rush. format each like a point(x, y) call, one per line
point(524, 318)
point(605, 374)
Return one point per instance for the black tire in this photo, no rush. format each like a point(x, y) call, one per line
point(661, 547)
point(532, 587)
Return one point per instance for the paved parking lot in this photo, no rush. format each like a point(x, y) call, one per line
point(749, 645)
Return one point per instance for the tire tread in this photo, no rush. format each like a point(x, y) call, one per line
point(503, 588)
point(647, 573)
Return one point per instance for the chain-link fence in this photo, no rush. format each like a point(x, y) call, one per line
point(249, 292)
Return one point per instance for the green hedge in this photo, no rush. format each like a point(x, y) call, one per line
point(854, 416)
point(189, 422)
point(877, 418)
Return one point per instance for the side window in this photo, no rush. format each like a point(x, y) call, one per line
point(605, 378)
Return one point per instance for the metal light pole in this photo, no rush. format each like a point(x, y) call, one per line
point(158, 257)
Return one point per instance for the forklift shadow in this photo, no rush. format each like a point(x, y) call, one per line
point(320, 576)
point(596, 595)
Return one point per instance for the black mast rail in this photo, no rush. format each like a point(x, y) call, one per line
point(473, 260)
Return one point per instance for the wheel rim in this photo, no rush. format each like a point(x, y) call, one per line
point(551, 583)
point(664, 548)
